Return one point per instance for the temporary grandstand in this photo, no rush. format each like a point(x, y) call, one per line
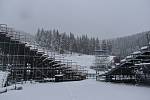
point(133, 69)
point(25, 60)
point(103, 62)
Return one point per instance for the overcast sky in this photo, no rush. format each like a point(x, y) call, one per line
point(102, 18)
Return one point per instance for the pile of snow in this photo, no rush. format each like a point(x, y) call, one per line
point(3, 78)
point(79, 90)
point(12, 87)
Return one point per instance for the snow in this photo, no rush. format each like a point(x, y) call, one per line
point(40, 50)
point(136, 52)
point(89, 89)
point(110, 60)
point(128, 57)
point(142, 64)
point(59, 75)
point(3, 78)
point(80, 90)
point(84, 61)
point(123, 60)
point(8, 88)
point(145, 47)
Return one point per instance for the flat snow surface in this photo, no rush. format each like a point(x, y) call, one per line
point(80, 90)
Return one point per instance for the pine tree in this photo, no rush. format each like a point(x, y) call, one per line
point(62, 42)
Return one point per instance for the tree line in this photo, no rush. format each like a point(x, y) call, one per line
point(64, 43)
point(123, 46)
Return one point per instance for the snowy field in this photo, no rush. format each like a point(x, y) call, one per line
point(80, 90)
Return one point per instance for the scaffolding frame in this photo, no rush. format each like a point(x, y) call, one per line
point(26, 60)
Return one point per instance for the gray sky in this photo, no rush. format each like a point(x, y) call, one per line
point(102, 18)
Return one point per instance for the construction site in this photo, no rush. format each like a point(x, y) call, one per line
point(24, 60)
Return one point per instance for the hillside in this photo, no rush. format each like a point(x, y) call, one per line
point(123, 46)
point(61, 42)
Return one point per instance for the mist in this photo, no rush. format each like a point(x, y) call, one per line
point(98, 18)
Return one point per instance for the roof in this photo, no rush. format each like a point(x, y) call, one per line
point(142, 64)
point(123, 60)
point(128, 57)
point(59, 75)
point(145, 47)
point(100, 51)
point(136, 52)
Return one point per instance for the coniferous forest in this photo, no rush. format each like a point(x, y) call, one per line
point(64, 42)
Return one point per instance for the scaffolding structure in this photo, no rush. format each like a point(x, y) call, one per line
point(101, 57)
point(133, 69)
point(26, 60)
point(103, 62)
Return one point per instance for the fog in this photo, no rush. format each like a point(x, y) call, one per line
point(102, 18)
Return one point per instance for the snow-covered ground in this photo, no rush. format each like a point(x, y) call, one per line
point(80, 90)
point(3, 78)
